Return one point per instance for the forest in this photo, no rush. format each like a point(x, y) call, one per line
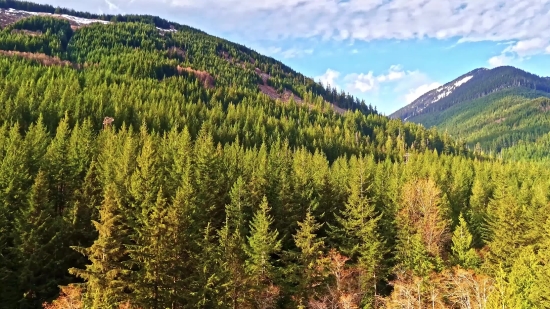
point(208, 193)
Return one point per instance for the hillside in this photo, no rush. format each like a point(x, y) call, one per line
point(262, 73)
point(145, 164)
point(472, 86)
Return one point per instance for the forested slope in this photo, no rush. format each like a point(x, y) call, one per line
point(497, 121)
point(471, 87)
point(206, 193)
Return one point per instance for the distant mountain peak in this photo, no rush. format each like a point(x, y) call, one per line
point(472, 85)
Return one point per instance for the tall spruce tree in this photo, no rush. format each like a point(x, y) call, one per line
point(263, 242)
point(106, 278)
point(463, 253)
point(232, 242)
point(311, 262)
point(39, 247)
point(357, 231)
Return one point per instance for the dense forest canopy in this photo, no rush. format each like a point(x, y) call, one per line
point(496, 122)
point(205, 192)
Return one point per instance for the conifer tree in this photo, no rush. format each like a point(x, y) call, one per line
point(205, 282)
point(151, 254)
point(205, 179)
point(107, 276)
point(541, 291)
point(310, 259)
point(61, 177)
point(36, 142)
point(463, 253)
point(39, 247)
point(232, 244)
point(357, 230)
point(8, 296)
point(507, 224)
point(263, 242)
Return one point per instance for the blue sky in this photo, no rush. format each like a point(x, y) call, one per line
point(387, 52)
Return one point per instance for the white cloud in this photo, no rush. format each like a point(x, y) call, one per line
point(396, 72)
point(500, 60)
point(329, 78)
point(403, 85)
point(286, 53)
point(523, 21)
point(368, 82)
point(415, 93)
point(528, 47)
point(361, 82)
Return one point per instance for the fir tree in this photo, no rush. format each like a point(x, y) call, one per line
point(107, 276)
point(232, 244)
point(151, 254)
point(310, 259)
point(357, 230)
point(463, 253)
point(262, 244)
point(39, 247)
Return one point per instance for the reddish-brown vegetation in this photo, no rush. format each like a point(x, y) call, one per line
point(27, 32)
point(42, 58)
point(206, 79)
point(177, 51)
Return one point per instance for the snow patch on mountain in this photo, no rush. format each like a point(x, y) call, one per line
point(74, 19)
point(82, 21)
point(12, 15)
point(447, 90)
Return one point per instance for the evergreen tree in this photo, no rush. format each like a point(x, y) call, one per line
point(463, 253)
point(232, 243)
point(151, 254)
point(107, 276)
point(39, 247)
point(310, 259)
point(357, 230)
point(263, 243)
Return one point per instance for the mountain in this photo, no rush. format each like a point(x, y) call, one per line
point(473, 85)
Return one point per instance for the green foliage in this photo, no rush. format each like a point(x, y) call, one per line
point(463, 254)
point(168, 203)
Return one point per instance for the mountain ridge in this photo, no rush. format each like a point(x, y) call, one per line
point(470, 86)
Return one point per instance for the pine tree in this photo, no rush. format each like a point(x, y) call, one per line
point(262, 244)
point(107, 276)
point(205, 283)
point(61, 176)
point(206, 178)
point(463, 253)
point(423, 229)
point(7, 276)
point(541, 290)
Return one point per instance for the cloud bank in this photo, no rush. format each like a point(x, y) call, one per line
point(406, 85)
point(524, 22)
